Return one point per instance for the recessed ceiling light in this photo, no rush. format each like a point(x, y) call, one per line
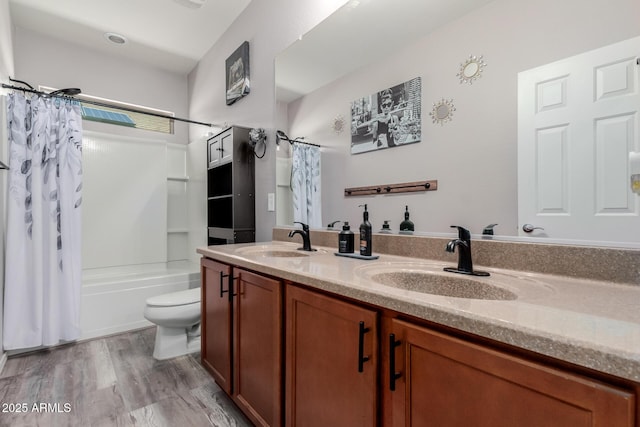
point(115, 38)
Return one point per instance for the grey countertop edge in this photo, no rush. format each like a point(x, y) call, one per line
point(588, 355)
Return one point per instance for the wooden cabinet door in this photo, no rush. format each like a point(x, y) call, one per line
point(331, 362)
point(226, 147)
point(213, 152)
point(258, 347)
point(216, 327)
point(444, 381)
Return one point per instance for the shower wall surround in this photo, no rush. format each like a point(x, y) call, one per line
point(134, 201)
point(135, 229)
point(125, 201)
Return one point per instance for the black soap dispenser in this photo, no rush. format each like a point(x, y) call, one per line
point(365, 234)
point(346, 239)
point(406, 226)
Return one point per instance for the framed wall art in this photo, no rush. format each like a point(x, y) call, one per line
point(237, 67)
point(388, 118)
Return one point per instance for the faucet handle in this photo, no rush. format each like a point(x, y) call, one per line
point(463, 233)
point(331, 224)
point(305, 227)
point(488, 230)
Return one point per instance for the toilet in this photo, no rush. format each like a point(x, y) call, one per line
point(177, 316)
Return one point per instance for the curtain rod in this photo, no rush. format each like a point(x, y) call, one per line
point(303, 142)
point(283, 136)
point(101, 104)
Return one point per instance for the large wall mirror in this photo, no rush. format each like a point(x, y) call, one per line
point(368, 45)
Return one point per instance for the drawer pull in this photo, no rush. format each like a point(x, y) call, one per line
point(222, 291)
point(361, 357)
point(393, 375)
point(230, 288)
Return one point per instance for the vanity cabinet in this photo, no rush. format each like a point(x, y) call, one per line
point(216, 323)
point(331, 361)
point(242, 338)
point(346, 363)
point(437, 380)
point(230, 187)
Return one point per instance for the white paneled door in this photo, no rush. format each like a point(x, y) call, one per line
point(577, 122)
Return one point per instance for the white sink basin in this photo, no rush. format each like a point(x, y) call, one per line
point(429, 278)
point(441, 284)
point(275, 251)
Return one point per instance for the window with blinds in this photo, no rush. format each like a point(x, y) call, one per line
point(138, 120)
point(130, 115)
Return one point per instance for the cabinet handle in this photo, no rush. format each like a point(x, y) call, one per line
point(361, 357)
point(230, 288)
point(393, 375)
point(232, 293)
point(222, 276)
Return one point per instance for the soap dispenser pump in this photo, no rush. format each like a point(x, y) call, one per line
point(406, 226)
point(365, 234)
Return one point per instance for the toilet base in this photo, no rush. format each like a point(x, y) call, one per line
point(174, 342)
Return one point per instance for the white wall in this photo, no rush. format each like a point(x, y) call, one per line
point(269, 26)
point(49, 62)
point(474, 156)
point(6, 46)
point(45, 61)
point(6, 71)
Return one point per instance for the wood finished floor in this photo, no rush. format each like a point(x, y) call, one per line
point(112, 381)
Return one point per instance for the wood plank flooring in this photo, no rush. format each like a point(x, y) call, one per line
point(112, 381)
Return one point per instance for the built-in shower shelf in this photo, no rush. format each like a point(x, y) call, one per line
point(178, 178)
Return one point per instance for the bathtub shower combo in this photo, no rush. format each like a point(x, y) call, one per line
point(136, 267)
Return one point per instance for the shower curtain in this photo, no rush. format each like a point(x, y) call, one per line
point(305, 184)
point(43, 264)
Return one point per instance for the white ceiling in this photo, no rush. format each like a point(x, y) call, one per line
point(164, 33)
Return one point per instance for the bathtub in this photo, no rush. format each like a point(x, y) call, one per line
point(113, 298)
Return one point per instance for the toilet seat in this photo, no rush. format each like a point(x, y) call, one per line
point(172, 299)
point(177, 318)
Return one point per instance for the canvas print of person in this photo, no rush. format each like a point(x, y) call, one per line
point(387, 119)
point(237, 70)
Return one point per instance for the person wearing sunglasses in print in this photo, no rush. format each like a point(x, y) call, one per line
point(384, 122)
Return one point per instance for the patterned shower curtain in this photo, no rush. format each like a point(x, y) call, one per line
point(43, 264)
point(305, 184)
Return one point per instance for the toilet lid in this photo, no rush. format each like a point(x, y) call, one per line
point(190, 296)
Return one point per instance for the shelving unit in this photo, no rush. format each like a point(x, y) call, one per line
point(177, 216)
point(230, 187)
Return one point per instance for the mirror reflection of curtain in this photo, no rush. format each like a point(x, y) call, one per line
point(305, 184)
point(43, 270)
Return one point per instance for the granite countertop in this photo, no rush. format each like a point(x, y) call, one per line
point(589, 323)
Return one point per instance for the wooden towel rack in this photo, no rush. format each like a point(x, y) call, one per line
point(405, 187)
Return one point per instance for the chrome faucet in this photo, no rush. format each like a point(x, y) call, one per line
point(306, 240)
point(463, 243)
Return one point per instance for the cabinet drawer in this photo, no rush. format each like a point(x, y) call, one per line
point(442, 380)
